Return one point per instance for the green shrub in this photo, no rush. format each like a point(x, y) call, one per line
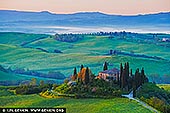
point(154, 96)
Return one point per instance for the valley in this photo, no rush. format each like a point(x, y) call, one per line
point(60, 56)
point(43, 53)
point(35, 70)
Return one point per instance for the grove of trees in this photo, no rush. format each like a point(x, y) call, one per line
point(32, 87)
point(129, 81)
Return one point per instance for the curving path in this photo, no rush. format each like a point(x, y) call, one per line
point(130, 96)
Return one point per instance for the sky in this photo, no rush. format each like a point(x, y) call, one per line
point(123, 7)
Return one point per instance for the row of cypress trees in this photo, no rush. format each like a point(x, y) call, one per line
point(83, 76)
point(126, 80)
point(129, 81)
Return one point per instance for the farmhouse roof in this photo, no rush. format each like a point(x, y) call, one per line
point(111, 71)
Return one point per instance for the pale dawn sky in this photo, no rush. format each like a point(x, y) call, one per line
point(124, 7)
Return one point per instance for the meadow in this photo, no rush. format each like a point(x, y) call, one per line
point(91, 51)
point(165, 86)
point(37, 52)
point(118, 105)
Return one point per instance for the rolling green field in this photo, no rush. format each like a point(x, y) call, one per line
point(19, 50)
point(91, 51)
point(165, 86)
point(117, 105)
point(20, 77)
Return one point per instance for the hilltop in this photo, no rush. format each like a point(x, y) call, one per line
point(84, 18)
point(50, 23)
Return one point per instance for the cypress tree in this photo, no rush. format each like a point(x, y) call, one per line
point(137, 78)
point(81, 67)
point(75, 71)
point(86, 79)
point(130, 82)
point(80, 77)
point(125, 66)
point(123, 79)
point(118, 79)
point(74, 76)
point(127, 74)
point(145, 79)
point(121, 72)
point(134, 92)
point(134, 85)
point(105, 66)
point(142, 76)
point(130, 72)
point(127, 69)
point(133, 82)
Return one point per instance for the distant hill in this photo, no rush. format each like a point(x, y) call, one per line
point(10, 17)
point(3, 69)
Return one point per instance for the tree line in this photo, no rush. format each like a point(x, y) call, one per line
point(128, 81)
point(84, 76)
point(68, 37)
point(32, 87)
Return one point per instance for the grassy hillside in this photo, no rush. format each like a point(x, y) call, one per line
point(7, 76)
point(13, 78)
point(37, 60)
point(18, 38)
point(154, 96)
point(117, 105)
point(164, 86)
point(91, 51)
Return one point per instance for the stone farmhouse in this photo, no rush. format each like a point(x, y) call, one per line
point(111, 74)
